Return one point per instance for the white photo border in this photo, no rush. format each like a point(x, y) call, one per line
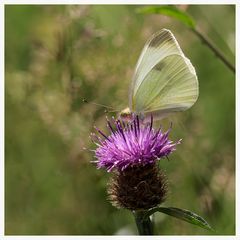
point(117, 2)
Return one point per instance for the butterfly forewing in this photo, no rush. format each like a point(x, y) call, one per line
point(164, 80)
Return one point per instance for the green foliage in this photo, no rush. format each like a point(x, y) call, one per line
point(58, 55)
point(182, 214)
point(170, 11)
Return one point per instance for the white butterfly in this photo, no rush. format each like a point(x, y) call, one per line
point(164, 81)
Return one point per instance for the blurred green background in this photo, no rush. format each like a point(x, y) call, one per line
point(58, 55)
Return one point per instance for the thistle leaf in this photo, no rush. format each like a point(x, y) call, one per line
point(182, 214)
point(170, 11)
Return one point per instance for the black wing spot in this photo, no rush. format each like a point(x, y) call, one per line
point(160, 66)
point(160, 38)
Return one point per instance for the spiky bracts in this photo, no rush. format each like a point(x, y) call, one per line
point(138, 187)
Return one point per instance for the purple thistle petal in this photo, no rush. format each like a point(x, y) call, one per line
point(132, 144)
point(110, 126)
point(102, 133)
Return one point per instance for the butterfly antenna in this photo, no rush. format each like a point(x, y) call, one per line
point(100, 105)
point(112, 111)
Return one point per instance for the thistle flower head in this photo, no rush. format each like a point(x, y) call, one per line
point(131, 144)
point(132, 150)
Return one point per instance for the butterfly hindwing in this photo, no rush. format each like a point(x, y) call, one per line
point(169, 86)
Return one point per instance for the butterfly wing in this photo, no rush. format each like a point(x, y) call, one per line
point(165, 80)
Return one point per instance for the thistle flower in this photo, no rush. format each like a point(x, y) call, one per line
point(131, 144)
point(131, 151)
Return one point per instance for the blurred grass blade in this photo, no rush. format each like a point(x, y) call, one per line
point(182, 214)
point(170, 11)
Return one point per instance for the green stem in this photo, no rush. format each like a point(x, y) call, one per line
point(144, 224)
point(216, 51)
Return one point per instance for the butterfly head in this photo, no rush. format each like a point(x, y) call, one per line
point(126, 114)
